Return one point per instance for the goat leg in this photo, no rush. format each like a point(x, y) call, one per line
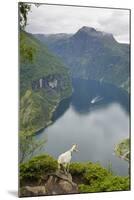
point(68, 164)
point(59, 167)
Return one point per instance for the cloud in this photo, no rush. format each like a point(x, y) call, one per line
point(117, 24)
point(58, 19)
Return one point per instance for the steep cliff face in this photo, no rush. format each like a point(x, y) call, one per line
point(44, 82)
point(92, 54)
point(51, 83)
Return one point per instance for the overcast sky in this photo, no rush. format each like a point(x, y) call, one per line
point(49, 19)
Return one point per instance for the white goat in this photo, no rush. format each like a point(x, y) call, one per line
point(65, 158)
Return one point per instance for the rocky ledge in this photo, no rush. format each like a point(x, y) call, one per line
point(57, 183)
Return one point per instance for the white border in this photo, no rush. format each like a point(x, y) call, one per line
point(9, 99)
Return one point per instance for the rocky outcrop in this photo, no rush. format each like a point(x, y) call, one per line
point(49, 82)
point(57, 183)
point(29, 191)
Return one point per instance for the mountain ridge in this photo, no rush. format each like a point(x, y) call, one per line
point(92, 54)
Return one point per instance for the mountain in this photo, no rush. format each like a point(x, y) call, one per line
point(92, 54)
point(52, 38)
point(44, 82)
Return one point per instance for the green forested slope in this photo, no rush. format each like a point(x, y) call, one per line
point(38, 102)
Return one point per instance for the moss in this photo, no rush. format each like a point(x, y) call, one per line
point(109, 183)
point(37, 168)
point(77, 169)
point(95, 172)
point(96, 178)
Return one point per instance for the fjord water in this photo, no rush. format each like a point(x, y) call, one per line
point(96, 127)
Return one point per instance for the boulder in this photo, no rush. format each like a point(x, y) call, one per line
point(56, 183)
point(28, 191)
point(59, 183)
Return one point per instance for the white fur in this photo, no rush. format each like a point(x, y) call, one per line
point(65, 158)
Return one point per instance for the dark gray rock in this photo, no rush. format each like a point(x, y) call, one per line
point(28, 191)
point(59, 183)
point(56, 183)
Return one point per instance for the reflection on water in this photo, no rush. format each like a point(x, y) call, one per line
point(96, 128)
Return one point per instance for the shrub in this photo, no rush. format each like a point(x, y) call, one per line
point(122, 149)
point(37, 168)
point(95, 172)
point(115, 183)
point(77, 168)
point(84, 188)
point(110, 183)
point(98, 179)
point(93, 176)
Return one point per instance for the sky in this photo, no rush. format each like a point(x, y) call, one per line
point(50, 19)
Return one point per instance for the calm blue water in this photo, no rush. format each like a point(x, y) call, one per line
point(95, 127)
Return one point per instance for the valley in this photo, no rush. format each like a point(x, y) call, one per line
point(91, 54)
point(74, 88)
